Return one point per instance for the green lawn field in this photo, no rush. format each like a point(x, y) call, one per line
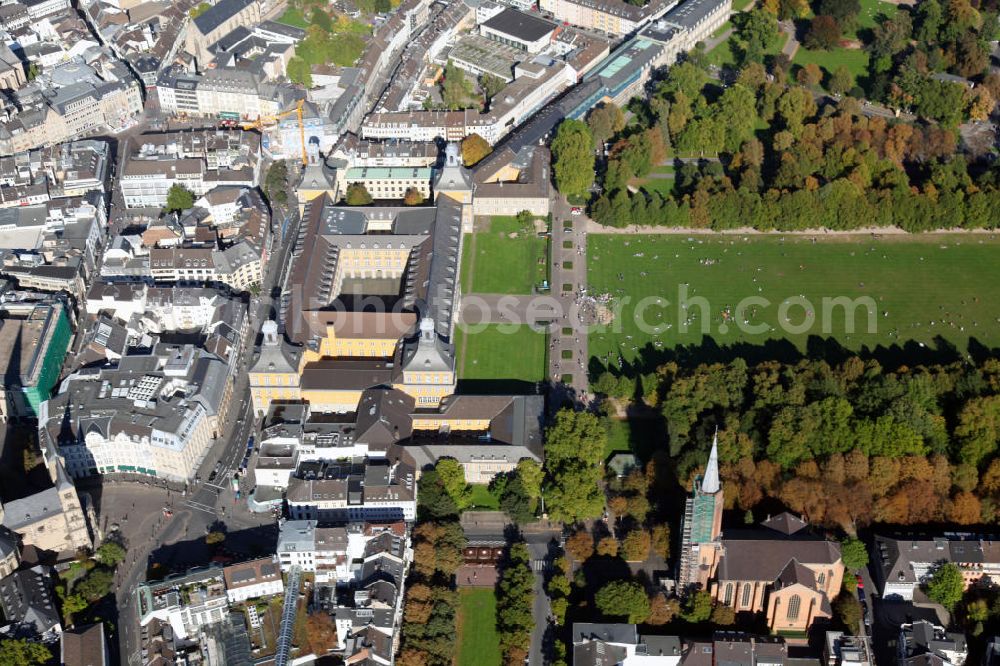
point(722, 55)
point(482, 499)
point(856, 60)
point(870, 11)
point(294, 18)
point(503, 260)
point(638, 436)
point(496, 352)
point(664, 186)
point(917, 287)
point(478, 643)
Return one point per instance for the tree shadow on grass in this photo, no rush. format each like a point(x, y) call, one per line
point(940, 351)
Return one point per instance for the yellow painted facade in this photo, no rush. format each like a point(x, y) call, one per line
point(326, 400)
point(333, 346)
point(436, 422)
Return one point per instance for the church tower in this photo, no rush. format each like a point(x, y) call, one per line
point(702, 526)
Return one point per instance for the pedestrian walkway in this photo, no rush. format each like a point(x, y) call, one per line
point(568, 351)
point(284, 647)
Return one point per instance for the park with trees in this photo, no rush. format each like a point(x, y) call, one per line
point(767, 148)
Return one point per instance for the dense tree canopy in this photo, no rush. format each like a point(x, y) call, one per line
point(21, 652)
point(574, 451)
point(474, 149)
point(623, 600)
point(515, 596)
point(847, 444)
point(179, 198)
point(946, 586)
point(573, 158)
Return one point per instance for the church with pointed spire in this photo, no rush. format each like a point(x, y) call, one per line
point(781, 570)
point(702, 527)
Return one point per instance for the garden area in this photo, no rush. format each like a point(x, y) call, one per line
point(838, 39)
point(336, 39)
point(481, 499)
point(920, 288)
point(507, 257)
point(478, 642)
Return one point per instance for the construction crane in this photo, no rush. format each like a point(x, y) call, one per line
point(267, 122)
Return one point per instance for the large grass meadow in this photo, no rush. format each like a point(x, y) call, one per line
point(920, 288)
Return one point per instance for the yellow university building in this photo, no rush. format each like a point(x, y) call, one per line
point(369, 310)
point(372, 302)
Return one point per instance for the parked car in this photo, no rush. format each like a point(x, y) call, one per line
point(577, 211)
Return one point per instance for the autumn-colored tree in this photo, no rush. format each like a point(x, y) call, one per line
point(419, 604)
point(823, 33)
point(580, 545)
point(723, 615)
point(990, 481)
point(474, 149)
point(965, 509)
point(413, 657)
point(617, 506)
point(320, 634)
point(608, 546)
point(981, 104)
point(810, 75)
point(635, 545)
point(660, 540)
point(662, 610)
point(413, 197)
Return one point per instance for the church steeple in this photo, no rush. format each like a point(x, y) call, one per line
point(702, 526)
point(710, 482)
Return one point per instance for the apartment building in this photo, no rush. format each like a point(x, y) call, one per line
point(903, 563)
point(223, 93)
point(53, 247)
point(197, 161)
point(253, 579)
point(154, 414)
point(186, 603)
point(332, 492)
point(33, 343)
point(28, 604)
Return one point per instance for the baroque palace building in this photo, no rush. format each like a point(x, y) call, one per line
point(369, 319)
point(372, 301)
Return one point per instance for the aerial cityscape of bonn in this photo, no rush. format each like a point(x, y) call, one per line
point(500, 332)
